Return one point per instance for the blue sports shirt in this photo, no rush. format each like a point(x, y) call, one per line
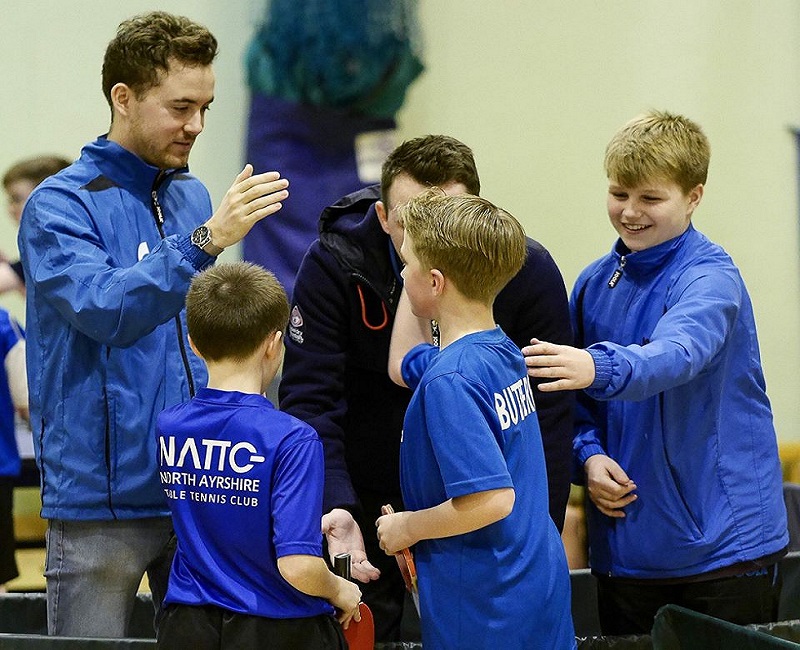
point(471, 426)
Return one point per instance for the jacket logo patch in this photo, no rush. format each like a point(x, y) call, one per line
point(142, 251)
point(296, 325)
point(296, 318)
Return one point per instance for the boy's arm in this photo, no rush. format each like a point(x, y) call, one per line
point(700, 312)
point(456, 516)
point(296, 506)
point(310, 574)
point(407, 332)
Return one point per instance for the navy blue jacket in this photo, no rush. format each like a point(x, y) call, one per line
point(335, 370)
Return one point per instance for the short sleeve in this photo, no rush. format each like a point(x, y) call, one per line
point(297, 499)
point(466, 435)
point(415, 362)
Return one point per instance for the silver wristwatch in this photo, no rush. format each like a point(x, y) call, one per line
point(201, 237)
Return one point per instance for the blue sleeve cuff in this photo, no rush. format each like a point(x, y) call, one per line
point(197, 257)
point(586, 451)
point(603, 368)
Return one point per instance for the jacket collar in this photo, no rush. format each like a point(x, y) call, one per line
point(352, 233)
point(644, 262)
point(125, 168)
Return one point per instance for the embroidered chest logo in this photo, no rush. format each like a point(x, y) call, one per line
point(296, 325)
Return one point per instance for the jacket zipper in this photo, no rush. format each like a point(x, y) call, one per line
point(617, 274)
point(390, 299)
point(158, 213)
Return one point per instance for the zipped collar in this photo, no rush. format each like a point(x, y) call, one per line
point(125, 168)
point(643, 263)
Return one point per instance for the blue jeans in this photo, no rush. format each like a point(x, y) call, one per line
point(93, 571)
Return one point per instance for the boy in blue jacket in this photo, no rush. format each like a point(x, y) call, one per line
point(492, 568)
point(674, 435)
point(244, 485)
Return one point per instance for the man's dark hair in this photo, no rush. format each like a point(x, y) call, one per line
point(147, 44)
point(433, 160)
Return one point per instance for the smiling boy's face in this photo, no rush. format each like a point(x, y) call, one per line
point(651, 213)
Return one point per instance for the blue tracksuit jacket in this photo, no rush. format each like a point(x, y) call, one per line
point(679, 401)
point(107, 259)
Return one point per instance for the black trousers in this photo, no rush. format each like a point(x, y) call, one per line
point(396, 619)
point(213, 628)
point(8, 563)
point(630, 607)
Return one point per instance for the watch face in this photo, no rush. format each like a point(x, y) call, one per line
point(201, 236)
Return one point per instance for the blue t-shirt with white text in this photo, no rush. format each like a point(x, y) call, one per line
point(244, 486)
point(471, 426)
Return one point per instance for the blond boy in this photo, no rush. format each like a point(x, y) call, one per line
point(492, 569)
point(674, 433)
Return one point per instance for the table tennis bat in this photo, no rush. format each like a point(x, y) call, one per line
point(405, 560)
point(360, 635)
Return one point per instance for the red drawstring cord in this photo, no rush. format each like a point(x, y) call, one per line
point(374, 328)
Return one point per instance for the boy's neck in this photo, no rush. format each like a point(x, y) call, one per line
point(239, 376)
point(458, 318)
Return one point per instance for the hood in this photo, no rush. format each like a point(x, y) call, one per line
point(349, 229)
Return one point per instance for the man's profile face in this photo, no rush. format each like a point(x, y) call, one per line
point(402, 190)
point(161, 125)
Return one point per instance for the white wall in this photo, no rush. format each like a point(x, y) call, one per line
point(536, 88)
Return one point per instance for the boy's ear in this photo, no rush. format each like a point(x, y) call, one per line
point(274, 343)
point(193, 346)
point(437, 282)
point(695, 196)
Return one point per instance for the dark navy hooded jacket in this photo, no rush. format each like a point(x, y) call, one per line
point(335, 370)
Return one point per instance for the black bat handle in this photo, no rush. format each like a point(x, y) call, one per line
point(341, 565)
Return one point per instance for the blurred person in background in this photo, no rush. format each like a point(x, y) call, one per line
point(18, 182)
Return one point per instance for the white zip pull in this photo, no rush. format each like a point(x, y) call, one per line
point(612, 281)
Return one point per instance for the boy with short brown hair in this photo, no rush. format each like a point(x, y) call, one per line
point(244, 485)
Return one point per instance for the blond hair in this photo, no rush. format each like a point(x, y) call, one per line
point(477, 245)
point(658, 146)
